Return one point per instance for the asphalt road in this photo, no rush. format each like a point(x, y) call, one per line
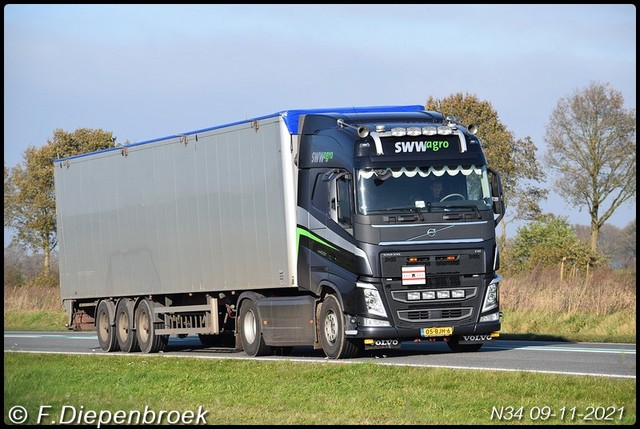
point(585, 359)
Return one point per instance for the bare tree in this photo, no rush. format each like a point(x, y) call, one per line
point(591, 141)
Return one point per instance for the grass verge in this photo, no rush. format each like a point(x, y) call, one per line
point(284, 392)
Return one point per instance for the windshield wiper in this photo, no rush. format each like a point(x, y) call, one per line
point(473, 208)
point(410, 208)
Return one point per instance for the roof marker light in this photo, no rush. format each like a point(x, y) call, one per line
point(398, 132)
point(414, 131)
point(429, 131)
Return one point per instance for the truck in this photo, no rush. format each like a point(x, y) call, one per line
point(308, 227)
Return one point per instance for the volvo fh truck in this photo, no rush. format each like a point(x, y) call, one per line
point(311, 227)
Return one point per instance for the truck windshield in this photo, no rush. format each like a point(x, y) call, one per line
point(385, 189)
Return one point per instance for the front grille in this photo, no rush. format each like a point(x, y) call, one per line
point(435, 315)
point(447, 273)
point(436, 264)
point(443, 281)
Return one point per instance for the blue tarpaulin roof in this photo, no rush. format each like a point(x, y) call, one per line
point(290, 117)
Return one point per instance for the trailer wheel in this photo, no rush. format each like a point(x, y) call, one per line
point(106, 333)
point(149, 341)
point(251, 330)
point(332, 337)
point(456, 347)
point(124, 327)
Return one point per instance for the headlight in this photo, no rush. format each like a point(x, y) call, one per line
point(491, 297)
point(372, 299)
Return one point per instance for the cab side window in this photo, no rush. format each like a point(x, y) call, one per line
point(344, 203)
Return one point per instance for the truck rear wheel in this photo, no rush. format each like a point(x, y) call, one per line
point(106, 333)
point(332, 337)
point(251, 330)
point(126, 335)
point(149, 341)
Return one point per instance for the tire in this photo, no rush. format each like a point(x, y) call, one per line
point(106, 333)
point(332, 337)
point(125, 333)
point(456, 347)
point(251, 330)
point(148, 340)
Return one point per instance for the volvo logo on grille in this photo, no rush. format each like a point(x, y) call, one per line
point(432, 232)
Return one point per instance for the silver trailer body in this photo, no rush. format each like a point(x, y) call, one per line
point(211, 210)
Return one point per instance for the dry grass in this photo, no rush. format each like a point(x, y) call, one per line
point(598, 307)
point(604, 292)
point(32, 298)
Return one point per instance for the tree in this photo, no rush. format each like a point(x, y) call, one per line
point(548, 242)
point(515, 160)
point(617, 243)
point(591, 141)
point(628, 244)
point(34, 211)
point(9, 197)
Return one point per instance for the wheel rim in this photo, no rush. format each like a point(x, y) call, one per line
point(249, 327)
point(143, 326)
point(123, 326)
point(103, 321)
point(331, 327)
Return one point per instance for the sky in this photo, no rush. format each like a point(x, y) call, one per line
point(148, 71)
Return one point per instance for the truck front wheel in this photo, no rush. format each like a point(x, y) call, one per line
point(332, 337)
point(251, 330)
point(148, 340)
point(106, 333)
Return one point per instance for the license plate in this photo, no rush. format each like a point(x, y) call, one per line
point(441, 331)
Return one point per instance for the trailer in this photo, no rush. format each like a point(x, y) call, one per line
point(300, 228)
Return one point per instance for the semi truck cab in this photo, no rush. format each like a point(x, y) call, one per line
point(404, 265)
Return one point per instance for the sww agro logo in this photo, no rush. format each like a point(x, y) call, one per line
point(319, 157)
point(421, 146)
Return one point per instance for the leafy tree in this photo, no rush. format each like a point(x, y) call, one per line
point(34, 214)
point(515, 160)
point(547, 242)
point(592, 145)
point(9, 198)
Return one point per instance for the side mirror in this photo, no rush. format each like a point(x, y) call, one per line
point(497, 195)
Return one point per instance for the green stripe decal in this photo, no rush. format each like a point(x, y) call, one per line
point(308, 234)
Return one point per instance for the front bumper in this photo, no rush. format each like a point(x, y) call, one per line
point(411, 334)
